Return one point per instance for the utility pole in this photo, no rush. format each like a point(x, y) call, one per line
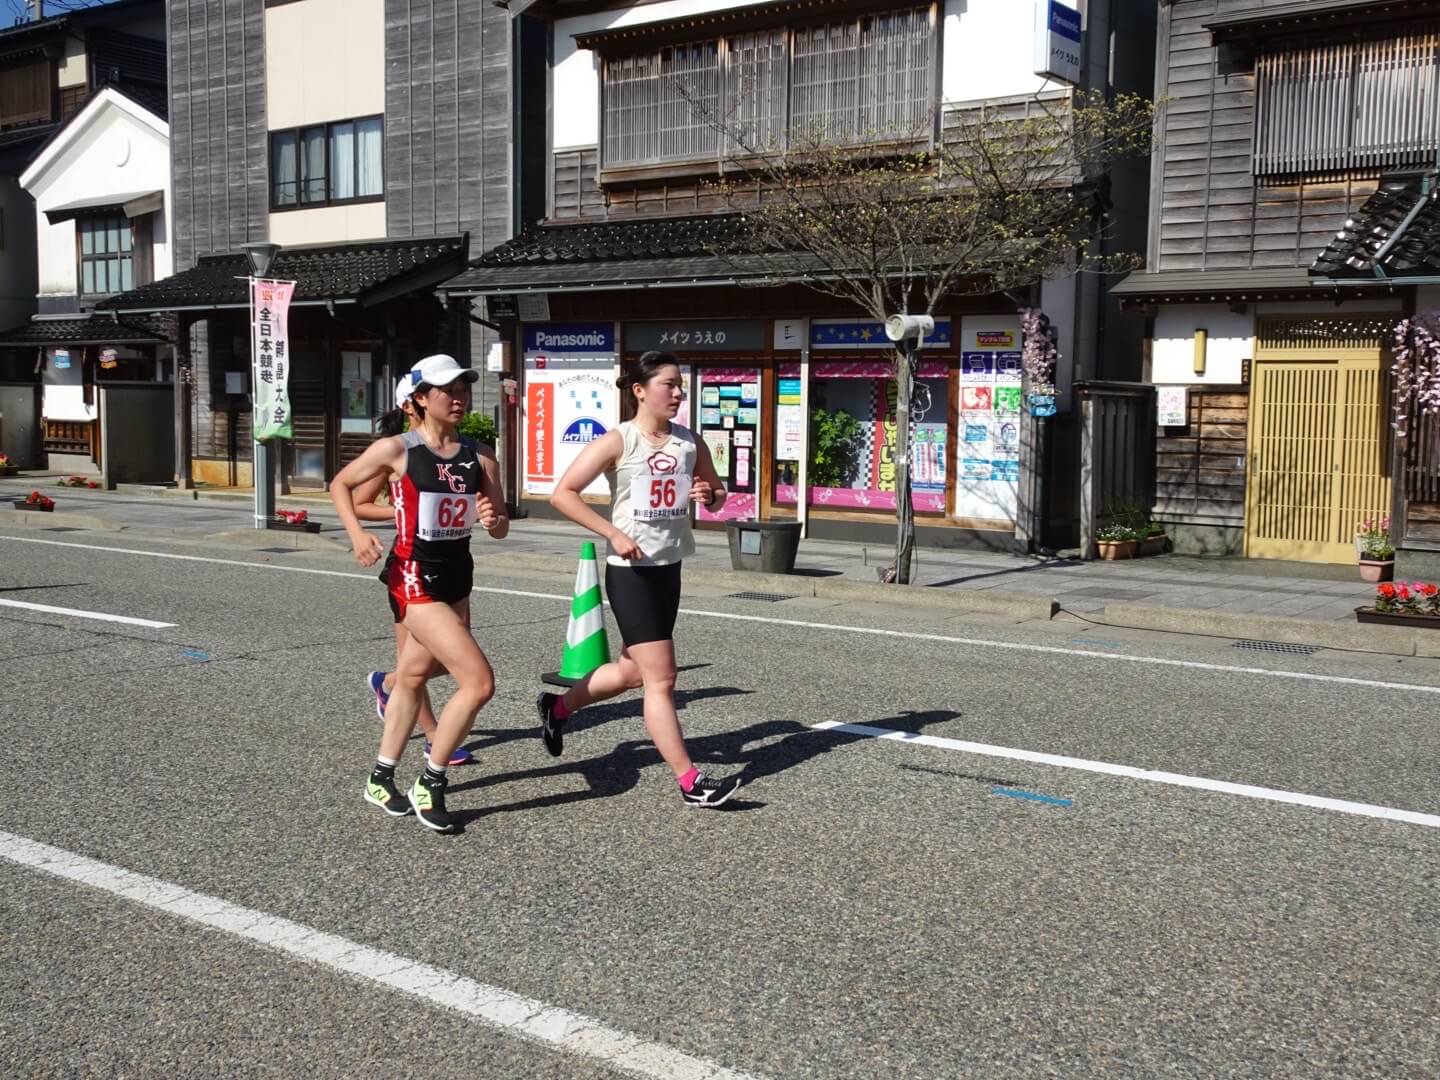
point(39, 10)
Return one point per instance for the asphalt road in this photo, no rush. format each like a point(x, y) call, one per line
point(869, 908)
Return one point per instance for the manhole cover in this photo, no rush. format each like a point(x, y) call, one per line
point(1277, 647)
point(764, 597)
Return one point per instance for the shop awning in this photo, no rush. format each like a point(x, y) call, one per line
point(668, 252)
point(41, 330)
point(132, 204)
point(365, 273)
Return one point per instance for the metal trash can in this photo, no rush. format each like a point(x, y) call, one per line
point(768, 547)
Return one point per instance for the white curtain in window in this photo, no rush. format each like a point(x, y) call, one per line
point(313, 189)
point(370, 157)
point(342, 161)
point(284, 179)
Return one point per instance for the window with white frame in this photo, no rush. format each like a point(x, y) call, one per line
point(1326, 108)
point(326, 164)
point(867, 78)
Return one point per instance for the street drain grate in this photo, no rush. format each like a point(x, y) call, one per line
point(1277, 647)
point(765, 597)
point(63, 528)
point(278, 551)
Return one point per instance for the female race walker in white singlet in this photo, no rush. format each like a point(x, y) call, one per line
point(446, 484)
point(656, 468)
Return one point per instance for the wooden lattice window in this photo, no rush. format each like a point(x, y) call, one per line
point(27, 93)
point(1347, 106)
point(867, 78)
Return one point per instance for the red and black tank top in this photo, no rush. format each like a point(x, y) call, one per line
point(435, 501)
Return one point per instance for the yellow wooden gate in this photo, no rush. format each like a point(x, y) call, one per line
point(1318, 448)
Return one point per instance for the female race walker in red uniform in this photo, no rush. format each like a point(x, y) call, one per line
point(446, 484)
point(369, 508)
point(655, 468)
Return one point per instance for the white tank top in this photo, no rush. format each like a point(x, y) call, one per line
point(650, 495)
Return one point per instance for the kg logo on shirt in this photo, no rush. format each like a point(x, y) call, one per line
point(457, 483)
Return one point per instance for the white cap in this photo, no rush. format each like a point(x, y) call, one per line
point(404, 390)
point(439, 370)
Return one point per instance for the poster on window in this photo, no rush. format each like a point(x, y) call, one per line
point(269, 323)
point(570, 399)
point(988, 435)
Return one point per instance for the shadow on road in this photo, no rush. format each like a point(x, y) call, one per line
point(761, 750)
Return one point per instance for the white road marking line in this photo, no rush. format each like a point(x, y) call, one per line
point(869, 631)
point(1249, 791)
point(526, 1017)
point(77, 613)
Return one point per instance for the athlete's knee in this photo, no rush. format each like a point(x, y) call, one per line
point(663, 683)
point(477, 686)
point(632, 675)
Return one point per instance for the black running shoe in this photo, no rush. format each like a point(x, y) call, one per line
point(383, 794)
point(711, 793)
point(429, 803)
point(550, 724)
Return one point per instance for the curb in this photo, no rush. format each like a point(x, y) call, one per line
point(156, 491)
point(54, 520)
point(1390, 640)
point(258, 538)
point(803, 586)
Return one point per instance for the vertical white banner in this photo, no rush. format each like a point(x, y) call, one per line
point(269, 327)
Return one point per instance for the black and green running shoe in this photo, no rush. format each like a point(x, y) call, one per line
point(384, 795)
point(428, 800)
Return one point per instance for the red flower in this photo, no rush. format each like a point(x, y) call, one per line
point(1387, 591)
point(1428, 591)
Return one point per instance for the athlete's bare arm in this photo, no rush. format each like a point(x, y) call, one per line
point(367, 500)
point(708, 489)
point(602, 454)
point(383, 458)
point(490, 507)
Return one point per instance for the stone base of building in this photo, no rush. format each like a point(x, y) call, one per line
point(79, 464)
point(1205, 539)
point(1417, 565)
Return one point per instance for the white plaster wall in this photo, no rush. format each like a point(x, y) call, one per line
point(71, 71)
point(324, 60)
point(989, 50)
point(329, 224)
point(1230, 336)
point(107, 150)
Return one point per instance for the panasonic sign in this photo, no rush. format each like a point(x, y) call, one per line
point(588, 338)
point(1057, 41)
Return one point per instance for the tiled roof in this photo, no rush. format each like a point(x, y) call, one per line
point(1404, 210)
point(621, 254)
point(370, 272)
point(83, 330)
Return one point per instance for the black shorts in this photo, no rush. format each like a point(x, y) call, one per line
point(644, 600)
point(410, 582)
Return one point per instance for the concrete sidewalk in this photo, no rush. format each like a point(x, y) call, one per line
point(1230, 597)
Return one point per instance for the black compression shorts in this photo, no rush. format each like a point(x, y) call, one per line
point(644, 600)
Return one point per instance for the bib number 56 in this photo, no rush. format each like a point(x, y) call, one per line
point(662, 493)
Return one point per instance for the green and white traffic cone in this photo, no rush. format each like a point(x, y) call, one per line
point(586, 645)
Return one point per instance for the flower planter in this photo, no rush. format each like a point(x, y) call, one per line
point(1154, 545)
point(1110, 550)
point(9, 470)
point(297, 526)
point(21, 504)
point(1374, 570)
point(1395, 618)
